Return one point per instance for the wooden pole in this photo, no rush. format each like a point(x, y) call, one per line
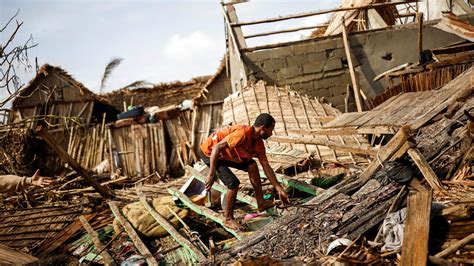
point(453, 248)
point(320, 12)
point(198, 256)
point(73, 163)
point(132, 234)
point(95, 238)
point(419, 16)
point(351, 67)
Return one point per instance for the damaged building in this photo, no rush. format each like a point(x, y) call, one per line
point(374, 124)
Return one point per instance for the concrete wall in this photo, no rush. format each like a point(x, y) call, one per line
point(319, 67)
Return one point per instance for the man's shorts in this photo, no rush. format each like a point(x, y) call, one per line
point(225, 174)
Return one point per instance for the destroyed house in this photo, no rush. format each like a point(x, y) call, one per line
point(58, 97)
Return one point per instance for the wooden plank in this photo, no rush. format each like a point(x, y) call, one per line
point(240, 196)
point(132, 234)
point(73, 163)
point(333, 145)
point(425, 169)
point(351, 67)
point(95, 239)
point(417, 227)
point(386, 152)
point(9, 256)
point(201, 210)
point(198, 256)
point(51, 244)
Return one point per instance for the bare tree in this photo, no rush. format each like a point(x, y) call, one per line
point(12, 58)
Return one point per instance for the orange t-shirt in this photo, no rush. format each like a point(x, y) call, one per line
point(240, 148)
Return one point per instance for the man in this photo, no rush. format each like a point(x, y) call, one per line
point(11, 183)
point(235, 147)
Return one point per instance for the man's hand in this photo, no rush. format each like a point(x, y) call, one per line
point(40, 181)
point(209, 181)
point(283, 196)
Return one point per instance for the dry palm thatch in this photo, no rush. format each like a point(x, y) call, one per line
point(108, 70)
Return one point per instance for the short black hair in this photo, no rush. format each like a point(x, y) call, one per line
point(265, 120)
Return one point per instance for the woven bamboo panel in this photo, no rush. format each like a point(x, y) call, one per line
point(29, 228)
point(292, 112)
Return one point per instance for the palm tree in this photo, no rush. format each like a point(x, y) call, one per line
point(108, 70)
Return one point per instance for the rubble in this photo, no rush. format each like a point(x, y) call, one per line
point(389, 184)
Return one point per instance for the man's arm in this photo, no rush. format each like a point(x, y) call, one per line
point(273, 180)
point(213, 161)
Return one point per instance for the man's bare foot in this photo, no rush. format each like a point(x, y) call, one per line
point(265, 205)
point(232, 224)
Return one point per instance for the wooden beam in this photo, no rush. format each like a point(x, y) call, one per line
point(344, 131)
point(386, 152)
point(240, 196)
point(73, 163)
point(320, 12)
point(132, 234)
point(425, 169)
point(285, 31)
point(95, 239)
point(201, 210)
point(339, 147)
point(419, 16)
point(297, 184)
point(197, 255)
point(454, 247)
point(417, 228)
point(351, 67)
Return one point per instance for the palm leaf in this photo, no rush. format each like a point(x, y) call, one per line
point(137, 84)
point(108, 70)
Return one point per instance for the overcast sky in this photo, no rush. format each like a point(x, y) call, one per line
point(159, 41)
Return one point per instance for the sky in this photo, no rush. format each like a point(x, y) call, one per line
point(159, 41)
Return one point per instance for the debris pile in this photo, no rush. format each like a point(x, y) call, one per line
point(390, 184)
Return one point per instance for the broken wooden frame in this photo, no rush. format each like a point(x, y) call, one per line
point(197, 254)
point(201, 210)
point(150, 259)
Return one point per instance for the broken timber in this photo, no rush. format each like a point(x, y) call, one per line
point(297, 184)
point(415, 239)
point(198, 256)
point(132, 234)
point(41, 131)
point(95, 239)
point(203, 211)
point(425, 169)
point(351, 67)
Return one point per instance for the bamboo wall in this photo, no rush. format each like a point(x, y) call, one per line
point(179, 130)
point(428, 80)
point(141, 149)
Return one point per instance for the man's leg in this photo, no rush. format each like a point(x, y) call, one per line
point(232, 183)
point(229, 208)
point(254, 176)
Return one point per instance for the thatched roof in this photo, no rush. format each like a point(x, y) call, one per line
point(162, 94)
point(44, 72)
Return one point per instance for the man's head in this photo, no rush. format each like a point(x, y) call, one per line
point(264, 125)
